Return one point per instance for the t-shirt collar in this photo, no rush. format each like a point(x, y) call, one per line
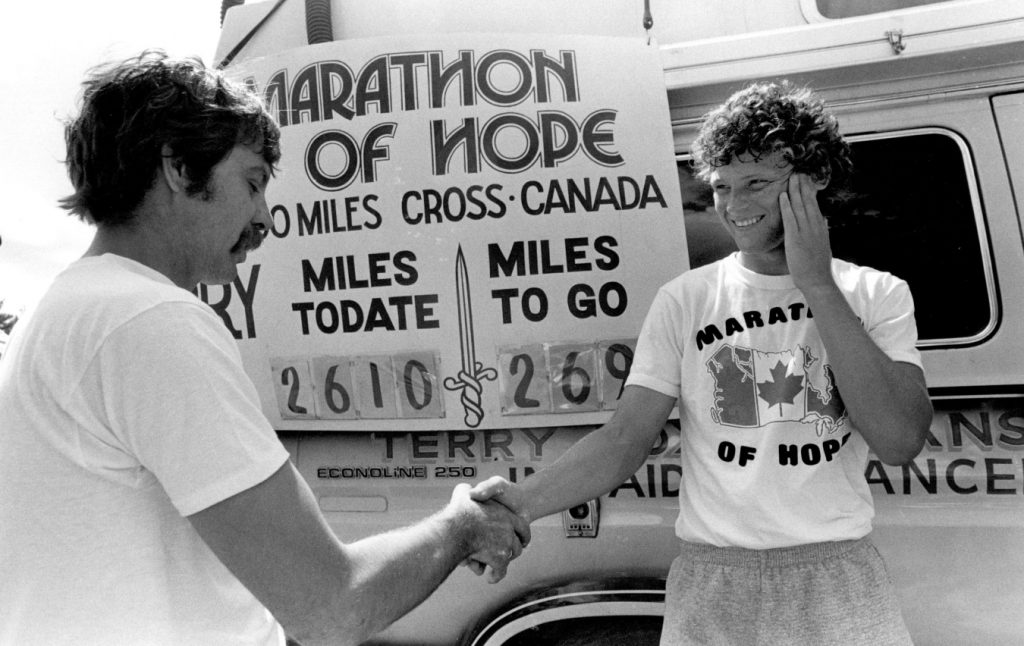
point(762, 281)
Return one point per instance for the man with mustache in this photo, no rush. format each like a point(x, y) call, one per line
point(144, 498)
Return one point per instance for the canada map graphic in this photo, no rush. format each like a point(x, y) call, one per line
point(755, 388)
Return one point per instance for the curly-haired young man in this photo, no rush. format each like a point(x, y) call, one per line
point(144, 498)
point(788, 366)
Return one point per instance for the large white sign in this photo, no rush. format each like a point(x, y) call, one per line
point(468, 231)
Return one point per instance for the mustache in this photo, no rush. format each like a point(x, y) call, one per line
point(252, 237)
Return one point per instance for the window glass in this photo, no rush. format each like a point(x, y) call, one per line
point(850, 8)
point(913, 212)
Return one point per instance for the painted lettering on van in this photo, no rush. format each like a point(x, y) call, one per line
point(963, 476)
point(962, 457)
point(485, 445)
point(974, 428)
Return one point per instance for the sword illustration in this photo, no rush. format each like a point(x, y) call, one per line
point(472, 372)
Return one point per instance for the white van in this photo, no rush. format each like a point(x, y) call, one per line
point(931, 95)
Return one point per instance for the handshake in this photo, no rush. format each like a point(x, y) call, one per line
point(491, 524)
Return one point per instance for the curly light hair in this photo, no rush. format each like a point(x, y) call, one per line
point(776, 118)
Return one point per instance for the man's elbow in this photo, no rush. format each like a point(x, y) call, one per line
point(909, 444)
point(327, 618)
point(336, 631)
point(899, 455)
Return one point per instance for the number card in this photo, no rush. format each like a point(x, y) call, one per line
point(374, 378)
point(617, 358)
point(293, 387)
point(523, 377)
point(573, 372)
point(419, 394)
point(333, 379)
point(533, 379)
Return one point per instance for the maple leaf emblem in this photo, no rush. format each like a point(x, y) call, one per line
point(782, 389)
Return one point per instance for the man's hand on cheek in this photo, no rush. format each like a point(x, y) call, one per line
point(808, 253)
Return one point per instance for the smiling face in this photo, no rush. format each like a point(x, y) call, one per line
point(228, 219)
point(747, 203)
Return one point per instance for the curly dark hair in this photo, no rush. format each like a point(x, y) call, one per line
point(768, 118)
point(132, 109)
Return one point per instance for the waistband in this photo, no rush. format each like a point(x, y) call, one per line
point(776, 556)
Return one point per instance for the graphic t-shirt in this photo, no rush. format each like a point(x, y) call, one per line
point(769, 456)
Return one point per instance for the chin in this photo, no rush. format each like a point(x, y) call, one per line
point(222, 277)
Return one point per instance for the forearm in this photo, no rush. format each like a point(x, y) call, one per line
point(340, 594)
point(274, 539)
point(891, 412)
point(390, 574)
point(592, 467)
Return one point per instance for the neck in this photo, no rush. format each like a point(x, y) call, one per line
point(136, 242)
point(768, 264)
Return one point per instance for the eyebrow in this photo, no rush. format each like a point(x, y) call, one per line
point(761, 177)
point(261, 171)
point(756, 176)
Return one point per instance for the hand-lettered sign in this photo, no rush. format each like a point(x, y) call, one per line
point(468, 231)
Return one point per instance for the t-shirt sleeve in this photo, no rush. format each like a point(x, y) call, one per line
point(658, 355)
point(893, 326)
point(177, 398)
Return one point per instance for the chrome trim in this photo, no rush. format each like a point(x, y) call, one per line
point(981, 227)
point(596, 598)
point(982, 88)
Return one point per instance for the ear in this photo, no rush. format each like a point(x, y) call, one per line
point(822, 182)
point(173, 169)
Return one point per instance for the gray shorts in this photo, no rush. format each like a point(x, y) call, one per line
point(818, 594)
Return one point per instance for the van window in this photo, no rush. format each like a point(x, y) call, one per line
point(849, 8)
point(914, 212)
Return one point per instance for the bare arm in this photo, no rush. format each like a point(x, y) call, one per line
point(887, 400)
point(275, 540)
point(592, 467)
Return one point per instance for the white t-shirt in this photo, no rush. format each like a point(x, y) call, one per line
point(124, 408)
point(769, 456)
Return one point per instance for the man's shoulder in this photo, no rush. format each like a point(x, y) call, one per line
point(103, 293)
point(111, 279)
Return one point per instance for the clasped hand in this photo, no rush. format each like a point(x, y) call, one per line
point(496, 534)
